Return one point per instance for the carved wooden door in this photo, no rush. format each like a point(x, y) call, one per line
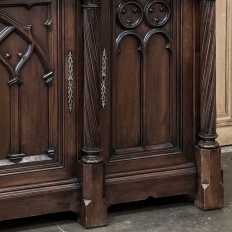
point(38, 126)
point(147, 119)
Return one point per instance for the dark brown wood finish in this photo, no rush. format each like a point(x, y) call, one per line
point(105, 102)
point(208, 75)
point(38, 161)
point(91, 130)
point(149, 107)
point(93, 205)
point(208, 154)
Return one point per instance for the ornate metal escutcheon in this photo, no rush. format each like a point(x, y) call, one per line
point(70, 81)
point(103, 80)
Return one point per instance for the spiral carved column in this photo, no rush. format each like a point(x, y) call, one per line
point(93, 205)
point(208, 153)
point(208, 76)
point(91, 147)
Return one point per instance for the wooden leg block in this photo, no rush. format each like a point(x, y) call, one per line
point(210, 189)
point(93, 205)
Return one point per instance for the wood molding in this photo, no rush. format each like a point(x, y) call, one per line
point(27, 199)
point(131, 188)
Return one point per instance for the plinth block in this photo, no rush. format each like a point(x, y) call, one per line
point(93, 205)
point(210, 189)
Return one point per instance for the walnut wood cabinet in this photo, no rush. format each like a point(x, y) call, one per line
point(104, 102)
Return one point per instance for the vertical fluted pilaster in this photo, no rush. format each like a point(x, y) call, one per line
point(91, 133)
point(208, 75)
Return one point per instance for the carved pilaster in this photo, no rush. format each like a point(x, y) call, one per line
point(210, 193)
point(91, 147)
point(208, 76)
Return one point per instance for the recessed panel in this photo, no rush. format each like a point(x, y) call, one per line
point(34, 109)
point(28, 52)
point(4, 113)
point(158, 92)
point(126, 112)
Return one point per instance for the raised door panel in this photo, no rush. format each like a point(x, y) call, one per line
point(38, 90)
point(147, 85)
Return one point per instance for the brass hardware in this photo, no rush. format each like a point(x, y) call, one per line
point(70, 81)
point(103, 80)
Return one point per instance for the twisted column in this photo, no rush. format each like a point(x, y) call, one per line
point(208, 75)
point(93, 205)
point(91, 133)
point(210, 193)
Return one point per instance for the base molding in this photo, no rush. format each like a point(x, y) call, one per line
point(33, 201)
point(157, 184)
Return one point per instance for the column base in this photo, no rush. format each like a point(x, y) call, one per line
point(93, 205)
point(210, 193)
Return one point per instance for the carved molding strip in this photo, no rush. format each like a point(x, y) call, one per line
point(103, 80)
point(161, 32)
point(143, 42)
point(70, 81)
point(208, 76)
point(28, 6)
point(129, 33)
point(91, 127)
